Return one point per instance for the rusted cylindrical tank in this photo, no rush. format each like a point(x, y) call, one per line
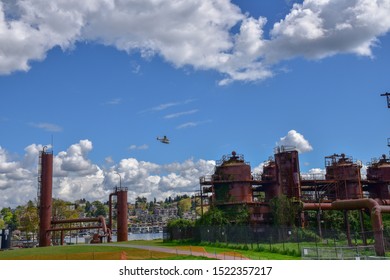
point(288, 172)
point(232, 180)
point(269, 177)
point(347, 174)
point(45, 197)
point(378, 175)
point(122, 228)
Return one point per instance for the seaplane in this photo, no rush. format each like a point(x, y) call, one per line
point(164, 140)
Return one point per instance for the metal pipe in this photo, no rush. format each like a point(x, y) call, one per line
point(317, 206)
point(110, 210)
point(74, 228)
point(375, 208)
point(81, 220)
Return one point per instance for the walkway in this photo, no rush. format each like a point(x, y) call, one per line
point(223, 256)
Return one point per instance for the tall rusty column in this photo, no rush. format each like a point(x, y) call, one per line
point(45, 197)
point(288, 172)
point(122, 228)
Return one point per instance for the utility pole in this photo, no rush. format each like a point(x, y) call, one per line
point(387, 94)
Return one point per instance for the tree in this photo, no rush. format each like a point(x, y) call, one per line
point(10, 218)
point(240, 215)
point(184, 205)
point(284, 210)
point(28, 219)
point(64, 210)
point(88, 209)
point(100, 209)
point(212, 217)
point(141, 203)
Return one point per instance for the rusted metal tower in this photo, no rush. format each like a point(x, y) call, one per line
point(45, 205)
point(45, 187)
point(122, 208)
point(378, 176)
point(231, 186)
point(231, 181)
point(269, 179)
point(281, 175)
point(287, 169)
point(346, 173)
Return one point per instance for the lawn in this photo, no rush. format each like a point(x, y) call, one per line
point(85, 252)
point(106, 252)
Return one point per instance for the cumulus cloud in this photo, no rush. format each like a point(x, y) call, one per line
point(317, 29)
point(200, 34)
point(157, 181)
point(314, 173)
point(18, 176)
point(76, 176)
point(297, 140)
point(75, 160)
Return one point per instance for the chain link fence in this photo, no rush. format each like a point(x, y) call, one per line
point(338, 253)
point(305, 242)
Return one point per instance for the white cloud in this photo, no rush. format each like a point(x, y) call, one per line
point(297, 140)
point(141, 147)
point(187, 124)
point(18, 177)
point(259, 169)
point(76, 176)
point(109, 160)
point(314, 173)
point(75, 161)
point(179, 114)
point(192, 32)
point(160, 181)
point(165, 106)
point(191, 124)
point(317, 29)
point(115, 101)
point(47, 126)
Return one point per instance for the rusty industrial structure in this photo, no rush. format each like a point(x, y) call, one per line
point(342, 188)
point(121, 206)
point(48, 226)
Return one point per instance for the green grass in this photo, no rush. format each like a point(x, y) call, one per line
point(265, 254)
point(280, 251)
point(86, 252)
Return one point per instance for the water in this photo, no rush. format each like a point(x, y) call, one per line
point(131, 236)
point(142, 236)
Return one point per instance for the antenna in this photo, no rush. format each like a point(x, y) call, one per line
point(52, 143)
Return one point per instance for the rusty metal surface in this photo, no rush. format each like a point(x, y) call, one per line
point(122, 227)
point(45, 197)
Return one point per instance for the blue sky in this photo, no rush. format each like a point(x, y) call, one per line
point(103, 79)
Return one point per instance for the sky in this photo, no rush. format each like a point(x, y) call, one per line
point(97, 81)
